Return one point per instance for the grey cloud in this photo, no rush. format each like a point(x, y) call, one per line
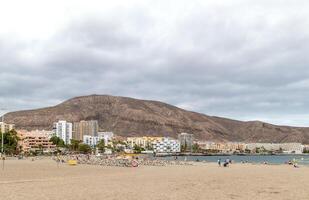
point(239, 61)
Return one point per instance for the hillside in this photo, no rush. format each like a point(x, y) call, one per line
point(132, 117)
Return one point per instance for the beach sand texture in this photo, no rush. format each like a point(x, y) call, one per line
point(42, 179)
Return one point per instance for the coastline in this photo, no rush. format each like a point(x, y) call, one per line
point(225, 154)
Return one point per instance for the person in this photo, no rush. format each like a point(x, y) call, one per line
point(135, 162)
point(219, 162)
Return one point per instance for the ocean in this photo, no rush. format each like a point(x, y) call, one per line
point(270, 159)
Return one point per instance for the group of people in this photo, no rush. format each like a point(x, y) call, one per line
point(293, 162)
point(226, 163)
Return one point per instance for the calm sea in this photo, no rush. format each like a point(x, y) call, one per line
point(271, 159)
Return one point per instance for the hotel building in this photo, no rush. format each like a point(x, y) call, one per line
point(296, 148)
point(35, 140)
point(144, 142)
point(228, 147)
point(85, 128)
point(94, 140)
point(166, 145)
point(63, 130)
point(106, 136)
point(186, 140)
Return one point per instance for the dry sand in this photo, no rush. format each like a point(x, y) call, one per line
point(42, 179)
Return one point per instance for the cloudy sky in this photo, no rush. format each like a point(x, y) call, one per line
point(245, 60)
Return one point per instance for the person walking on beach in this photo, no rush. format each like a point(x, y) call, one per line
point(219, 162)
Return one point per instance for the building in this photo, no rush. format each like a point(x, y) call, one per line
point(91, 140)
point(144, 142)
point(166, 145)
point(306, 148)
point(85, 128)
point(4, 127)
point(94, 140)
point(35, 140)
point(296, 148)
point(224, 147)
point(63, 130)
point(186, 141)
point(106, 136)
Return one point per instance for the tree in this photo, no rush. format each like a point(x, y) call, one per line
point(280, 150)
point(138, 149)
point(84, 148)
point(195, 148)
point(57, 141)
point(40, 147)
point(149, 147)
point(74, 145)
point(10, 140)
point(184, 147)
point(101, 146)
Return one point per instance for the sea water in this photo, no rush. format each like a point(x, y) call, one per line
point(271, 159)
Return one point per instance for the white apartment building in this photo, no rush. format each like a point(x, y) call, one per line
point(106, 136)
point(91, 140)
point(63, 130)
point(166, 145)
point(94, 140)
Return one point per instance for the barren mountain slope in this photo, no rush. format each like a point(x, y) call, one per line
point(128, 117)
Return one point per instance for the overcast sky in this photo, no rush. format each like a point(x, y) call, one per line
point(246, 60)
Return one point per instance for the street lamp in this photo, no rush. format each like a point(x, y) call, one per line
point(2, 138)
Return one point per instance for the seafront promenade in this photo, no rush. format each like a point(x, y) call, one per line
point(45, 180)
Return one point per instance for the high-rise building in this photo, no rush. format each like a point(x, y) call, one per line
point(186, 141)
point(4, 127)
point(63, 130)
point(85, 128)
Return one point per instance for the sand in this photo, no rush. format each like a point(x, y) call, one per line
point(42, 179)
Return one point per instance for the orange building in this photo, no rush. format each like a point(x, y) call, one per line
point(35, 140)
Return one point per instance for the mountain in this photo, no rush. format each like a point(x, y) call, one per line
point(132, 117)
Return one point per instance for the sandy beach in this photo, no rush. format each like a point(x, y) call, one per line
point(42, 179)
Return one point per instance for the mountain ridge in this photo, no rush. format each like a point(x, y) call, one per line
point(127, 116)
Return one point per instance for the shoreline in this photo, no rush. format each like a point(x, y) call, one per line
point(223, 154)
point(144, 161)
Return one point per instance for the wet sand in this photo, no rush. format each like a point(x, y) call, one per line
point(42, 179)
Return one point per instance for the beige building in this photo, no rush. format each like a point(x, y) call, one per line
point(143, 141)
point(296, 148)
point(85, 128)
point(225, 147)
point(186, 140)
point(4, 127)
point(35, 140)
